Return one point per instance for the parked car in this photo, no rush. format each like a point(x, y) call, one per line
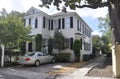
point(35, 58)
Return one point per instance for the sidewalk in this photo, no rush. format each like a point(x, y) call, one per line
point(1, 77)
point(80, 73)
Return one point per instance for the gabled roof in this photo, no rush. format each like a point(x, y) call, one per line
point(34, 10)
point(62, 13)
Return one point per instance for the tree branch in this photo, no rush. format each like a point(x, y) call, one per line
point(94, 6)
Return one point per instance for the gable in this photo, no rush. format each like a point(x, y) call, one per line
point(31, 11)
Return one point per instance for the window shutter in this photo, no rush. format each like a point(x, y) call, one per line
point(59, 23)
point(43, 22)
point(71, 43)
point(63, 23)
point(71, 22)
point(51, 24)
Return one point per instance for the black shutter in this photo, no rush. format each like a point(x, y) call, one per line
point(63, 23)
point(43, 22)
point(81, 43)
point(71, 22)
point(51, 24)
point(77, 24)
point(71, 43)
point(59, 23)
point(36, 22)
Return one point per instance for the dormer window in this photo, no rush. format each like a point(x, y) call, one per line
point(33, 11)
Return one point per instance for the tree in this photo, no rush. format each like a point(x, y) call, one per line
point(58, 41)
point(50, 46)
point(96, 42)
point(105, 45)
point(104, 27)
point(114, 15)
point(38, 41)
point(12, 31)
point(76, 49)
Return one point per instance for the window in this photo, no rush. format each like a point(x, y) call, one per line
point(36, 23)
point(71, 22)
point(29, 21)
point(63, 23)
point(59, 23)
point(67, 43)
point(39, 54)
point(55, 24)
point(78, 25)
point(67, 23)
point(33, 22)
point(30, 54)
point(83, 29)
point(44, 22)
point(33, 11)
point(51, 24)
point(87, 46)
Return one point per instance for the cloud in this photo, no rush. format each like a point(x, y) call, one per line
point(96, 33)
point(24, 5)
point(93, 13)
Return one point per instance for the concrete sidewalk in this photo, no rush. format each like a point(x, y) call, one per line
point(80, 73)
point(1, 77)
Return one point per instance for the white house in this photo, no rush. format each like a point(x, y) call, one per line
point(70, 24)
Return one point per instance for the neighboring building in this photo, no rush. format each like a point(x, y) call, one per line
point(70, 24)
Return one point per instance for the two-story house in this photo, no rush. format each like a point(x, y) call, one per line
point(70, 24)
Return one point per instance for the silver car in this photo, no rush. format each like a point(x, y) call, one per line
point(35, 58)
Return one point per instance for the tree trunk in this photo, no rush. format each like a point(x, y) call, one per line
point(114, 13)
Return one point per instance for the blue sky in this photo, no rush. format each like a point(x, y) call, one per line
point(89, 15)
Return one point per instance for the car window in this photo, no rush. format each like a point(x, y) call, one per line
point(30, 54)
point(39, 54)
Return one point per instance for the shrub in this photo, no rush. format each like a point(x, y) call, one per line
point(76, 48)
point(50, 46)
point(38, 40)
point(87, 57)
point(109, 54)
point(62, 57)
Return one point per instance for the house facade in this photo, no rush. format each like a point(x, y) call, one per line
point(70, 24)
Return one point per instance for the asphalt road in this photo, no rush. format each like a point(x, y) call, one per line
point(30, 72)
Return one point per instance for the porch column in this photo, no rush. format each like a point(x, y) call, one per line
point(26, 46)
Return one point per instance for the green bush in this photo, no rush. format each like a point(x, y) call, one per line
point(38, 40)
point(76, 49)
point(62, 57)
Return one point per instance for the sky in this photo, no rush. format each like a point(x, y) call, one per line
point(90, 16)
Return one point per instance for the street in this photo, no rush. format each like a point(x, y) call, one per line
point(30, 72)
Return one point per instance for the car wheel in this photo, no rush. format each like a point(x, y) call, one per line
point(37, 63)
point(53, 60)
